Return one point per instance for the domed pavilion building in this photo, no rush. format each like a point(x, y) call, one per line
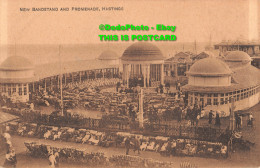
point(112, 61)
point(237, 59)
point(15, 75)
point(143, 65)
point(213, 83)
point(109, 57)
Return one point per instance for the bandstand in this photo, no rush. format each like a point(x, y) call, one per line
point(143, 65)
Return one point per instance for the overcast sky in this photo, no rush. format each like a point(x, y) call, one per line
point(194, 19)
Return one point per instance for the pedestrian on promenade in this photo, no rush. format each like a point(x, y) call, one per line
point(197, 120)
point(237, 120)
point(210, 116)
point(217, 120)
point(10, 160)
point(52, 159)
point(127, 145)
point(250, 119)
point(136, 145)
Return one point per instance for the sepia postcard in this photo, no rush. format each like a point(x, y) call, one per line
point(129, 83)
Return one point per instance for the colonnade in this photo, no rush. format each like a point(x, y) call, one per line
point(54, 81)
point(147, 72)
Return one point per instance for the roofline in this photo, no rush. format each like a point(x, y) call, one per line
point(143, 62)
point(216, 89)
point(16, 69)
point(18, 80)
point(235, 60)
point(232, 44)
point(40, 77)
point(140, 58)
point(108, 58)
point(208, 74)
point(14, 119)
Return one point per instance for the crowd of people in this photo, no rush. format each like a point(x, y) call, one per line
point(10, 156)
point(82, 155)
point(239, 119)
point(89, 95)
point(123, 102)
point(137, 142)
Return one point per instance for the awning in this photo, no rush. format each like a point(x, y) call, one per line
point(5, 117)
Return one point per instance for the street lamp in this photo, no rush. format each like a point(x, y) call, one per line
point(231, 116)
point(141, 107)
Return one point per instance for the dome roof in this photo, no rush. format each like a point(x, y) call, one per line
point(108, 55)
point(16, 63)
point(237, 56)
point(209, 67)
point(142, 51)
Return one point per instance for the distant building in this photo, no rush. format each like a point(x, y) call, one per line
point(212, 83)
point(251, 48)
point(143, 64)
point(179, 64)
point(16, 73)
point(203, 54)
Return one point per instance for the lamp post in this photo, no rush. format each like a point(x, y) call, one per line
point(60, 78)
point(141, 107)
point(61, 96)
point(231, 116)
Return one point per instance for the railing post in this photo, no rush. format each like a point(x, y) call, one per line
point(180, 130)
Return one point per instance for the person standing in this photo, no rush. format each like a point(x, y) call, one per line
point(10, 160)
point(217, 120)
point(195, 113)
point(52, 160)
point(240, 121)
point(127, 145)
point(178, 111)
point(179, 86)
point(237, 120)
point(250, 119)
point(192, 114)
point(136, 145)
point(57, 159)
point(188, 114)
point(210, 116)
point(197, 120)
point(176, 97)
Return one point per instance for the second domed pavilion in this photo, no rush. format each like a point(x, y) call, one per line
point(109, 57)
point(16, 73)
point(213, 83)
point(143, 65)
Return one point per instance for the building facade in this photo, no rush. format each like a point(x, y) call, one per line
point(251, 48)
point(178, 65)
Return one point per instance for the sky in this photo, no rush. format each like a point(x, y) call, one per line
point(194, 20)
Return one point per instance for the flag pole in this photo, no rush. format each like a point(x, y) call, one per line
point(61, 96)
